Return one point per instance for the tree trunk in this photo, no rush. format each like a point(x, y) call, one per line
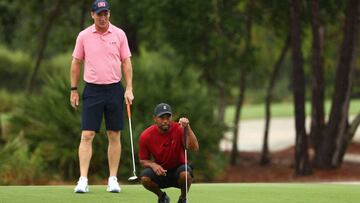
point(239, 103)
point(317, 86)
point(335, 135)
point(219, 61)
point(84, 10)
point(44, 35)
point(242, 85)
point(302, 164)
point(350, 132)
point(265, 156)
point(221, 103)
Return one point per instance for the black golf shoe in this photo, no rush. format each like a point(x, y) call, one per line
point(182, 200)
point(164, 198)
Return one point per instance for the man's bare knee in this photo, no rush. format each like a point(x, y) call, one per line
point(113, 133)
point(87, 136)
point(113, 136)
point(145, 180)
point(182, 177)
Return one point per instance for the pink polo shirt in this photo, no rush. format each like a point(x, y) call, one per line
point(102, 54)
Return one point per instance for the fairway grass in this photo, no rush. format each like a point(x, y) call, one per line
point(257, 111)
point(199, 193)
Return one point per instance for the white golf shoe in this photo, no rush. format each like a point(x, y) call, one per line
point(113, 185)
point(82, 185)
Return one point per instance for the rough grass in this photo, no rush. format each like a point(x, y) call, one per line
point(199, 193)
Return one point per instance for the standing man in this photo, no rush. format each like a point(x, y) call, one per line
point(162, 154)
point(104, 51)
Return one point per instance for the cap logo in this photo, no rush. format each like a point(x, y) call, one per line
point(101, 4)
point(165, 107)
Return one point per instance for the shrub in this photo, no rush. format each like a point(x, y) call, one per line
point(18, 165)
point(15, 67)
point(52, 127)
point(162, 77)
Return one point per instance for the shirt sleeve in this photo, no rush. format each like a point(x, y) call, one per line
point(144, 153)
point(79, 48)
point(124, 47)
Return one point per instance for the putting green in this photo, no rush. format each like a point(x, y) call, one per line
point(199, 193)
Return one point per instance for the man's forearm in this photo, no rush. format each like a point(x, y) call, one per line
point(147, 163)
point(128, 73)
point(192, 142)
point(75, 72)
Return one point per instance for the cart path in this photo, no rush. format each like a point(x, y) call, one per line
point(281, 136)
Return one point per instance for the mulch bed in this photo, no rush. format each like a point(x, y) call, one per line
point(281, 169)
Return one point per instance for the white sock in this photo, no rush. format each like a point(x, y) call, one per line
point(113, 178)
point(83, 178)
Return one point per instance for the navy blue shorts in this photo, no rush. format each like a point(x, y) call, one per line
point(171, 178)
point(99, 100)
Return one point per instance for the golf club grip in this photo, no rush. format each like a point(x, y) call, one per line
point(128, 110)
point(185, 145)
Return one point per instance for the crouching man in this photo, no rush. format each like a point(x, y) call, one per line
point(162, 154)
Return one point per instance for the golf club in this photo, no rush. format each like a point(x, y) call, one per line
point(134, 177)
point(186, 171)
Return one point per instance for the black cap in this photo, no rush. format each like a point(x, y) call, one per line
point(100, 5)
point(162, 109)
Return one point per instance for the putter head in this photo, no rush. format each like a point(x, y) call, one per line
point(132, 178)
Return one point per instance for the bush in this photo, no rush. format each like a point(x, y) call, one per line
point(18, 165)
point(161, 77)
point(52, 127)
point(14, 69)
point(9, 100)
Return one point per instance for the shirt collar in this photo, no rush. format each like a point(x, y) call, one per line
point(110, 29)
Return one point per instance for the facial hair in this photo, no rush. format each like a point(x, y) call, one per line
point(164, 127)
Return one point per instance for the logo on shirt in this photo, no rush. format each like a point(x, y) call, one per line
point(113, 43)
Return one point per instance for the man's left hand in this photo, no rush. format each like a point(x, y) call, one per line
point(184, 122)
point(129, 96)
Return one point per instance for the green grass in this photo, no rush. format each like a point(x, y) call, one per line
point(280, 110)
point(199, 193)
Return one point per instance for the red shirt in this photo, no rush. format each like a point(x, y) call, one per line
point(165, 148)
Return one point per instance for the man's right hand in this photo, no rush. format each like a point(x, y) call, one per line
point(158, 169)
point(74, 99)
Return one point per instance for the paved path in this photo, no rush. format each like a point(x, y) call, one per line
point(282, 135)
